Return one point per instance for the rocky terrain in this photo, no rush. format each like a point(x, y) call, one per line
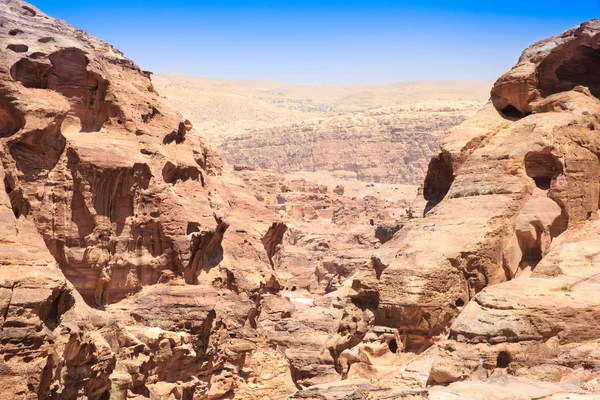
point(289, 128)
point(135, 264)
point(403, 139)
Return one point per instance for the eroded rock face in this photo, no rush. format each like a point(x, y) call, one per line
point(499, 254)
point(554, 65)
point(113, 202)
point(488, 287)
point(395, 143)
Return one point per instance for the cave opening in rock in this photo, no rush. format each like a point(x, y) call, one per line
point(459, 303)
point(543, 167)
point(511, 112)
point(11, 120)
point(532, 255)
point(68, 74)
point(438, 180)
point(582, 68)
point(20, 206)
point(18, 48)
point(31, 74)
point(543, 182)
point(393, 346)
point(504, 359)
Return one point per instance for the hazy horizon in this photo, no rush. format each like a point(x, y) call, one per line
point(171, 73)
point(328, 43)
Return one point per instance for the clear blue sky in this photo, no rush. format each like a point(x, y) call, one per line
point(324, 42)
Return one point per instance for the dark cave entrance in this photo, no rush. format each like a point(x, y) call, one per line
point(582, 68)
point(503, 360)
point(543, 167)
point(393, 346)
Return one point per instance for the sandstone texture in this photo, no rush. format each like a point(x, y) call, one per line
point(136, 264)
point(292, 128)
point(390, 145)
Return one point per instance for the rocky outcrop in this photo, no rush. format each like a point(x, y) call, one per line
point(493, 274)
point(554, 65)
point(114, 206)
point(391, 145)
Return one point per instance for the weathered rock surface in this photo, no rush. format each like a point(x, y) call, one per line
point(391, 145)
point(496, 269)
point(113, 202)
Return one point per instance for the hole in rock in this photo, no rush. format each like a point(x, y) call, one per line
point(37, 55)
point(19, 205)
point(542, 167)
point(38, 150)
point(68, 75)
point(504, 359)
point(293, 288)
point(542, 183)
point(18, 48)
point(29, 11)
point(459, 303)
point(11, 120)
point(15, 32)
point(581, 68)
point(192, 227)
point(438, 180)
point(31, 74)
point(51, 314)
point(393, 346)
point(511, 112)
point(46, 39)
point(8, 189)
point(533, 255)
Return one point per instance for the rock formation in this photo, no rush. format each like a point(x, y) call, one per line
point(114, 205)
point(135, 265)
point(402, 138)
point(490, 283)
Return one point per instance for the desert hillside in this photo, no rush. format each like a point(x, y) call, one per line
point(291, 128)
point(392, 145)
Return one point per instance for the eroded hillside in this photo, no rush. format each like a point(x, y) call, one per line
point(391, 145)
point(339, 129)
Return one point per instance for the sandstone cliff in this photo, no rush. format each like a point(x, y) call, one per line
point(110, 197)
point(391, 145)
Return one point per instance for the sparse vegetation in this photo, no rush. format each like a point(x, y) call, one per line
point(294, 237)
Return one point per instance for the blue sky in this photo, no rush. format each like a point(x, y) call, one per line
point(324, 42)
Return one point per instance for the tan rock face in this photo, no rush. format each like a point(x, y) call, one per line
point(111, 198)
point(391, 145)
point(492, 279)
point(554, 65)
